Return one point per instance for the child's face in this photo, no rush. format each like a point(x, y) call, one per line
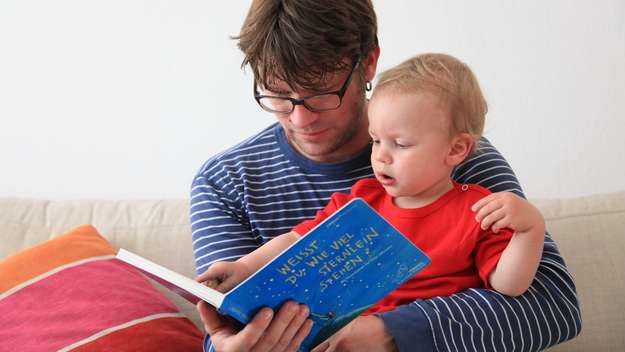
point(411, 142)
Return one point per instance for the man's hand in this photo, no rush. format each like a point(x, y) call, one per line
point(284, 332)
point(365, 333)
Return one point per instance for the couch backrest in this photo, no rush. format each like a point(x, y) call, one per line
point(590, 233)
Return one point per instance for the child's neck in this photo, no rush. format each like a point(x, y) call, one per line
point(426, 197)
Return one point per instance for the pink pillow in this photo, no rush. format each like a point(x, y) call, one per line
point(71, 293)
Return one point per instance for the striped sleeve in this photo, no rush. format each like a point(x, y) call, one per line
point(216, 225)
point(219, 227)
point(485, 320)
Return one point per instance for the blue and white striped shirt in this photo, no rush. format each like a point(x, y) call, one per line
point(261, 188)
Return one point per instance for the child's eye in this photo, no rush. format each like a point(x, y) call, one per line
point(400, 145)
point(375, 141)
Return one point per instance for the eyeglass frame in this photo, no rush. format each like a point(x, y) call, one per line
point(294, 102)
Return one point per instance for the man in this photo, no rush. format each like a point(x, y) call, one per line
point(312, 62)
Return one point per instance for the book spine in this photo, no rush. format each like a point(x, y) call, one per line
point(230, 308)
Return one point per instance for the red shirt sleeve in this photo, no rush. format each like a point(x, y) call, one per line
point(488, 250)
point(337, 201)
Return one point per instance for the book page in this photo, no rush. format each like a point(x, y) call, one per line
point(190, 289)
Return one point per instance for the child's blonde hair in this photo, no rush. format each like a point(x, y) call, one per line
point(449, 79)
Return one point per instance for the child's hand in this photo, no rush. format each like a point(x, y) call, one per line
point(223, 276)
point(505, 209)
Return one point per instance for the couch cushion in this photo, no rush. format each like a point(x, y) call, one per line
point(70, 292)
point(157, 229)
point(590, 233)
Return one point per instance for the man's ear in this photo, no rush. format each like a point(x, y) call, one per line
point(370, 63)
point(460, 147)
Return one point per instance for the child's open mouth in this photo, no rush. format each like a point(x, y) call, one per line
point(385, 179)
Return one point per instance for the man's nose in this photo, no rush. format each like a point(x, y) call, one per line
point(302, 117)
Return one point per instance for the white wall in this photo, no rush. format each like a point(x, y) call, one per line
point(126, 98)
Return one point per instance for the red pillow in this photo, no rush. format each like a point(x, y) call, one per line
point(71, 293)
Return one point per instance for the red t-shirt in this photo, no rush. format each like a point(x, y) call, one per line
point(462, 254)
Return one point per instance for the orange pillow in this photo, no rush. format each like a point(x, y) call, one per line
point(71, 293)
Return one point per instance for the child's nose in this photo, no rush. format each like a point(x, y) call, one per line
point(382, 155)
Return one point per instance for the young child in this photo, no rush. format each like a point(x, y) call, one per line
point(426, 116)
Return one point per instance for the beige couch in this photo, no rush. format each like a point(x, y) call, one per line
point(590, 232)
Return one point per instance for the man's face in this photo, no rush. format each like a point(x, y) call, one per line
point(327, 136)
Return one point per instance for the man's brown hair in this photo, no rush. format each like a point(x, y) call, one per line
point(300, 41)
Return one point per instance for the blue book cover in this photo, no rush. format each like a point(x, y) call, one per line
point(339, 269)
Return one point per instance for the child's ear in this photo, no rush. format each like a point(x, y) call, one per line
point(460, 147)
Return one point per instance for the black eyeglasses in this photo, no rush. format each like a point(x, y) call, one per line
point(315, 103)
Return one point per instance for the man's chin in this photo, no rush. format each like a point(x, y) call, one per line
point(316, 151)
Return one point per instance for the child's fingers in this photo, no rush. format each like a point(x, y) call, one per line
point(482, 202)
point(487, 209)
point(492, 218)
point(227, 284)
point(502, 223)
point(205, 276)
point(214, 272)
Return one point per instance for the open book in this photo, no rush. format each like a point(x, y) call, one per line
point(340, 268)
